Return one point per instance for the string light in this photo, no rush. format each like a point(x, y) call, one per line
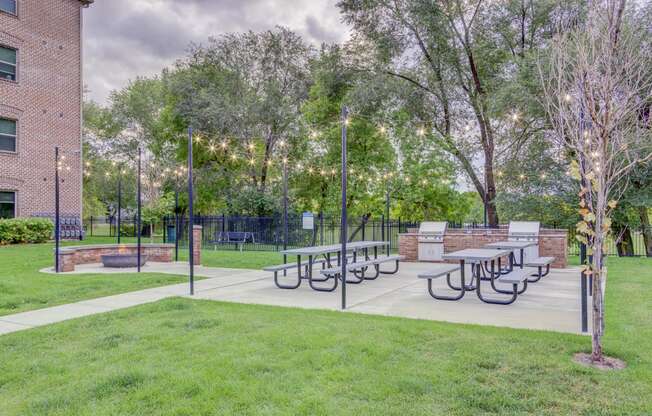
point(281, 143)
point(521, 176)
point(421, 131)
point(515, 116)
point(382, 130)
point(567, 98)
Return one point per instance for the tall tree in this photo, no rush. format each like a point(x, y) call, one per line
point(245, 88)
point(457, 58)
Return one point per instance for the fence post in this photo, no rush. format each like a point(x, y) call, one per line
point(91, 225)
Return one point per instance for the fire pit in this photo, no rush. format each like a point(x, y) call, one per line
point(123, 260)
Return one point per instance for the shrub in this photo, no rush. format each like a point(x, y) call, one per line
point(25, 230)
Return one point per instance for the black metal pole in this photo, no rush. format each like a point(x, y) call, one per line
point(191, 243)
point(138, 222)
point(119, 204)
point(583, 288)
point(285, 214)
point(176, 222)
point(343, 225)
point(389, 233)
point(484, 200)
point(57, 227)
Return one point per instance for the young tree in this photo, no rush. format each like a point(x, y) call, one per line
point(598, 93)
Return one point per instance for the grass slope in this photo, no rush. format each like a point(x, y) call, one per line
point(185, 357)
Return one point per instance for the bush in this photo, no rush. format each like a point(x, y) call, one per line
point(25, 230)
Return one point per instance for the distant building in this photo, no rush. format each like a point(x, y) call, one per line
point(40, 105)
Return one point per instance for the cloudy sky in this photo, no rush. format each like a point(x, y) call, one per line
point(127, 38)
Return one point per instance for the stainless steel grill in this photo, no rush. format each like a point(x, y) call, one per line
point(525, 231)
point(431, 240)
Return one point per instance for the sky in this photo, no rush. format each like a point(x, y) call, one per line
point(124, 39)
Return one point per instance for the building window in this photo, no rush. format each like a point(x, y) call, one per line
point(7, 135)
point(7, 204)
point(8, 63)
point(8, 6)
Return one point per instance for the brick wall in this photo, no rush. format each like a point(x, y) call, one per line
point(69, 257)
point(45, 101)
point(196, 248)
point(552, 243)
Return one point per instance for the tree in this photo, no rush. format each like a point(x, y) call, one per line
point(597, 94)
point(245, 89)
point(458, 60)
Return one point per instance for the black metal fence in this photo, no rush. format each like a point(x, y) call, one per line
point(266, 233)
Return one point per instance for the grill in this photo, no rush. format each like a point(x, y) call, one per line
point(431, 241)
point(525, 231)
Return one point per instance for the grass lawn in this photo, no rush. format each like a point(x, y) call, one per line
point(185, 357)
point(23, 287)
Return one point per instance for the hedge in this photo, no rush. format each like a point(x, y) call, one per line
point(25, 230)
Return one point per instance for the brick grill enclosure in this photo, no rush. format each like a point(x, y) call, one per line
point(552, 243)
point(45, 100)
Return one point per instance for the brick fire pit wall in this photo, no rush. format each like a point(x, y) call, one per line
point(69, 257)
point(552, 243)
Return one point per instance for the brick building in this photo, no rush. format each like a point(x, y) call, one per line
point(40, 104)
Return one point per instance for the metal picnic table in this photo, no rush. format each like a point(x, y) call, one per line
point(512, 246)
point(478, 256)
point(327, 251)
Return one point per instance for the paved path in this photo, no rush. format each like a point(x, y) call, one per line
point(551, 304)
point(216, 278)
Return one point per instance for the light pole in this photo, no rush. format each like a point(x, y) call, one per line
point(343, 225)
point(57, 226)
point(191, 220)
point(140, 156)
point(119, 204)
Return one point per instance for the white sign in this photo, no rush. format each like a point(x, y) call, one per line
point(308, 221)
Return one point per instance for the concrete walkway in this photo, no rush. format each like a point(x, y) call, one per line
point(551, 304)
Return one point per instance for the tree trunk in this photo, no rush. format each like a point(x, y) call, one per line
point(624, 242)
point(598, 302)
point(646, 230)
point(492, 211)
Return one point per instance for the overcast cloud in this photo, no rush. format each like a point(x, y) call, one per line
point(127, 38)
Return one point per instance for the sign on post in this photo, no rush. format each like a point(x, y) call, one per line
point(308, 221)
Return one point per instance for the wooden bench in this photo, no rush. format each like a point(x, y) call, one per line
point(440, 271)
point(540, 263)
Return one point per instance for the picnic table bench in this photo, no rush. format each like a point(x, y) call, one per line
point(359, 252)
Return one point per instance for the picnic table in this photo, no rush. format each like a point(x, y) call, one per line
point(327, 251)
point(478, 256)
point(512, 246)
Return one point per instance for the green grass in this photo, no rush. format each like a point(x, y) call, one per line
point(185, 357)
point(23, 287)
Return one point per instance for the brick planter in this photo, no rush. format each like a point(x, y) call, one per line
point(553, 243)
point(69, 257)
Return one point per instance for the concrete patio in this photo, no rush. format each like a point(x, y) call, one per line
point(551, 304)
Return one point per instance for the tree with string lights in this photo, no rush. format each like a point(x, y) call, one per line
point(598, 94)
